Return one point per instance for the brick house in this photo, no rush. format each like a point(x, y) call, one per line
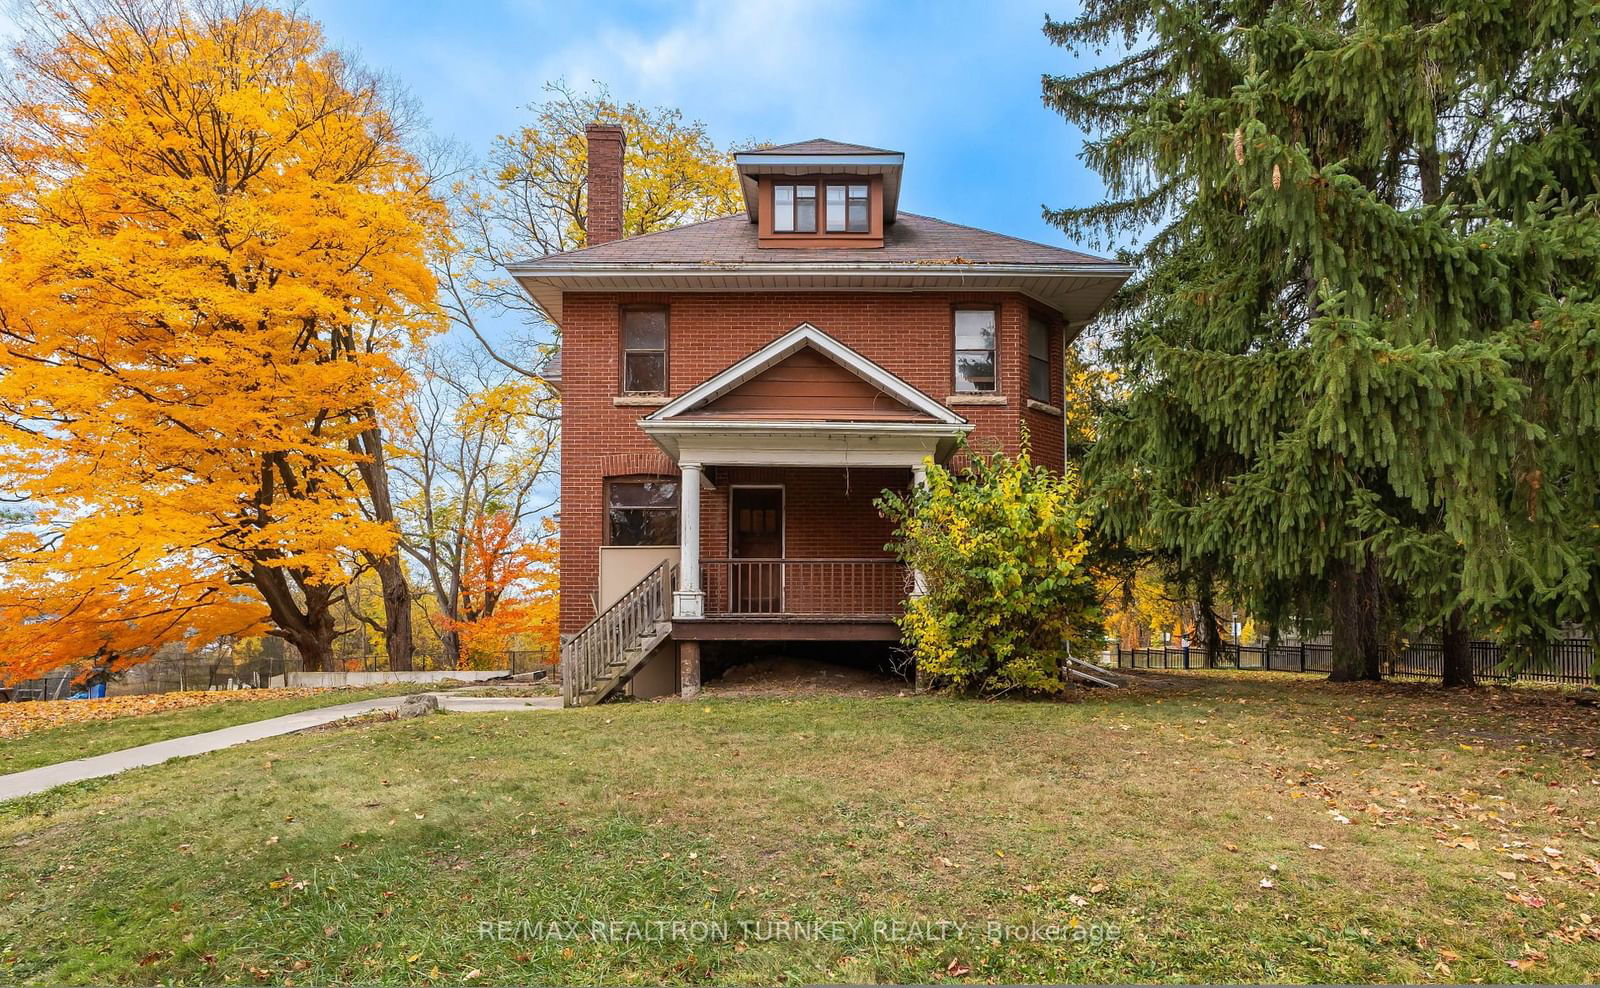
point(737, 393)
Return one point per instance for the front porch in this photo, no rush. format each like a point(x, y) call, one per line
point(781, 460)
point(797, 553)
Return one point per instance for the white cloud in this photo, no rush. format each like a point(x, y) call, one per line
point(771, 70)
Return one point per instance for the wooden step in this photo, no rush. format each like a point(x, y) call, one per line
point(618, 673)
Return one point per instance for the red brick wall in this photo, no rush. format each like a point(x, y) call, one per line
point(907, 334)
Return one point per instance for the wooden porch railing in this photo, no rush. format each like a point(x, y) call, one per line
point(875, 588)
point(594, 652)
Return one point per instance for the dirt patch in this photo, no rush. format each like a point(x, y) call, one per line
point(512, 690)
point(368, 719)
point(788, 677)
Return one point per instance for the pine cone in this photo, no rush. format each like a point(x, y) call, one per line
point(1238, 145)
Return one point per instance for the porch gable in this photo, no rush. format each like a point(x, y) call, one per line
point(812, 386)
point(804, 337)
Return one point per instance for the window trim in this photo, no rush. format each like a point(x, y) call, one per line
point(794, 209)
point(623, 349)
point(606, 539)
point(955, 377)
point(818, 182)
point(822, 205)
point(1049, 324)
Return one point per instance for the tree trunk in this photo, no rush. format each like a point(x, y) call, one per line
point(1353, 593)
point(315, 648)
point(1206, 608)
point(450, 649)
point(397, 640)
point(1374, 617)
point(304, 620)
point(1456, 643)
point(311, 634)
point(374, 470)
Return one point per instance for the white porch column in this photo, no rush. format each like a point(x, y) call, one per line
point(689, 601)
point(919, 478)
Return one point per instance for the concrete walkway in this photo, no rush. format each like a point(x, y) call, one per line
point(48, 777)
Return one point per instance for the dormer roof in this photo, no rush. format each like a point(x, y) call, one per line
point(818, 145)
point(820, 155)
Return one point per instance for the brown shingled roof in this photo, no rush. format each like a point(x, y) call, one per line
point(819, 145)
point(912, 240)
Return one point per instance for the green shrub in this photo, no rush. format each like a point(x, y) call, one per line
point(1001, 548)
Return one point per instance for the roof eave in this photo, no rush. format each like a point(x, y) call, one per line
point(546, 283)
point(541, 269)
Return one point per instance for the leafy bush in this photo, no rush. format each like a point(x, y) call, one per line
point(1001, 548)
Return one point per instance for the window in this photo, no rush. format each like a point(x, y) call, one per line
point(644, 350)
point(847, 209)
point(642, 511)
point(975, 369)
point(794, 208)
point(1038, 359)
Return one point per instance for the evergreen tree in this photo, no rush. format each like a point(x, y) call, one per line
point(1360, 347)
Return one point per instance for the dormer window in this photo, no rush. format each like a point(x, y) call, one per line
point(820, 193)
point(847, 209)
point(794, 208)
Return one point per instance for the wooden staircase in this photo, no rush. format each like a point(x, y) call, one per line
point(598, 660)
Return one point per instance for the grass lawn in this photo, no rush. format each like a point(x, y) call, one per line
point(96, 737)
point(1218, 828)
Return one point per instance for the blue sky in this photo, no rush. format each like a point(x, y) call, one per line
point(955, 85)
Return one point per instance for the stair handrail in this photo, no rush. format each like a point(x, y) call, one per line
point(602, 642)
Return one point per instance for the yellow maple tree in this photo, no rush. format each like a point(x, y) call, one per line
point(673, 173)
point(214, 242)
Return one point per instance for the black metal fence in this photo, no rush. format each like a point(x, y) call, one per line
point(530, 660)
point(1569, 661)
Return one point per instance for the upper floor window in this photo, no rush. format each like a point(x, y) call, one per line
point(847, 209)
point(644, 349)
point(1038, 359)
point(794, 208)
point(975, 363)
point(642, 511)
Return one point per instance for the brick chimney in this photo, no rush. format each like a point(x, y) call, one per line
point(604, 222)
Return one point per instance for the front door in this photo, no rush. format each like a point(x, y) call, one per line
point(756, 546)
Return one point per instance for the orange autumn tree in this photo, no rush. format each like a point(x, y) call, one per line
point(214, 243)
point(70, 602)
point(509, 590)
